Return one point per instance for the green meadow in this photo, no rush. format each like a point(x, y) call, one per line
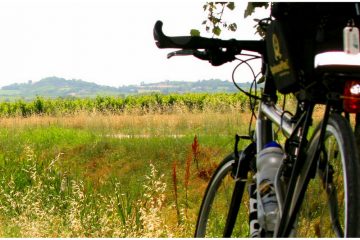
point(108, 174)
point(111, 167)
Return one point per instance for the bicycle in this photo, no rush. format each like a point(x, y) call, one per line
point(311, 187)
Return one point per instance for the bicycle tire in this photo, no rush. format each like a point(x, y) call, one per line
point(213, 214)
point(331, 203)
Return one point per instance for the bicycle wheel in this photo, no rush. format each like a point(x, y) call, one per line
point(221, 191)
point(331, 203)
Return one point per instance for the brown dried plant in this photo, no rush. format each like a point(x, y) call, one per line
point(195, 151)
point(186, 182)
point(174, 178)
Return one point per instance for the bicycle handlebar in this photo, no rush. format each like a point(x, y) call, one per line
point(190, 42)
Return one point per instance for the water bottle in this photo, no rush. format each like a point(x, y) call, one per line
point(267, 163)
point(253, 217)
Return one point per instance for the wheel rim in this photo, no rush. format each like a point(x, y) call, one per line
point(213, 222)
point(326, 196)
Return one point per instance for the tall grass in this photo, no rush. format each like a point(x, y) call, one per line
point(112, 167)
point(73, 176)
point(38, 201)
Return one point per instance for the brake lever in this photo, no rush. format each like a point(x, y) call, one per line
point(189, 52)
point(180, 53)
point(216, 57)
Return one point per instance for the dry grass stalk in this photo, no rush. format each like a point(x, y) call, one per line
point(152, 206)
point(187, 181)
point(195, 151)
point(174, 179)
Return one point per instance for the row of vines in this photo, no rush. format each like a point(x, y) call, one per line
point(140, 104)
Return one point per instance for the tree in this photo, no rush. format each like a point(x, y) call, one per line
point(215, 11)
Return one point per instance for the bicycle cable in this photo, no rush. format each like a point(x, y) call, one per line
point(252, 98)
point(253, 104)
point(252, 71)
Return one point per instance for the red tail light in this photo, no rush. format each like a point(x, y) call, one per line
point(352, 96)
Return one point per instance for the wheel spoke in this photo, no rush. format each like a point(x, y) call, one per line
point(330, 188)
point(234, 208)
point(221, 205)
point(325, 209)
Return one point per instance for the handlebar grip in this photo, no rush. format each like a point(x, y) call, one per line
point(163, 41)
point(183, 42)
point(190, 42)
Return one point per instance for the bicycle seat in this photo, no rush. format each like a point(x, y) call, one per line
point(337, 63)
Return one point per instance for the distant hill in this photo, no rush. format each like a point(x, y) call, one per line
point(60, 87)
point(56, 87)
point(213, 85)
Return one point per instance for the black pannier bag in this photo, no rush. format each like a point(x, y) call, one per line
point(298, 33)
point(280, 60)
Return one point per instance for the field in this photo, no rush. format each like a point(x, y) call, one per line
point(103, 173)
point(113, 167)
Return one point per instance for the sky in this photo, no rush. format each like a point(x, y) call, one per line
point(107, 42)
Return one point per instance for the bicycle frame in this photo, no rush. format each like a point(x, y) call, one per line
point(303, 168)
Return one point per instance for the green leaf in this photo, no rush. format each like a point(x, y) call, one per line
point(205, 7)
point(250, 9)
point(214, 20)
point(194, 32)
point(231, 6)
point(217, 31)
point(232, 27)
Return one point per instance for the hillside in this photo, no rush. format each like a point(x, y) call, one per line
point(211, 86)
point(56, 87)
point(59, 87)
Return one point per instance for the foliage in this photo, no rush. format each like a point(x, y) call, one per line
point(141, 104)
point(214, 21)
point(215, 12)
point(250, 9)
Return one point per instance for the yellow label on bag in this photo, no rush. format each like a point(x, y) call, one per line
point(282, 67)
point(276, 47)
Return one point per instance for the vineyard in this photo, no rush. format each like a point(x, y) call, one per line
point(142, 104)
